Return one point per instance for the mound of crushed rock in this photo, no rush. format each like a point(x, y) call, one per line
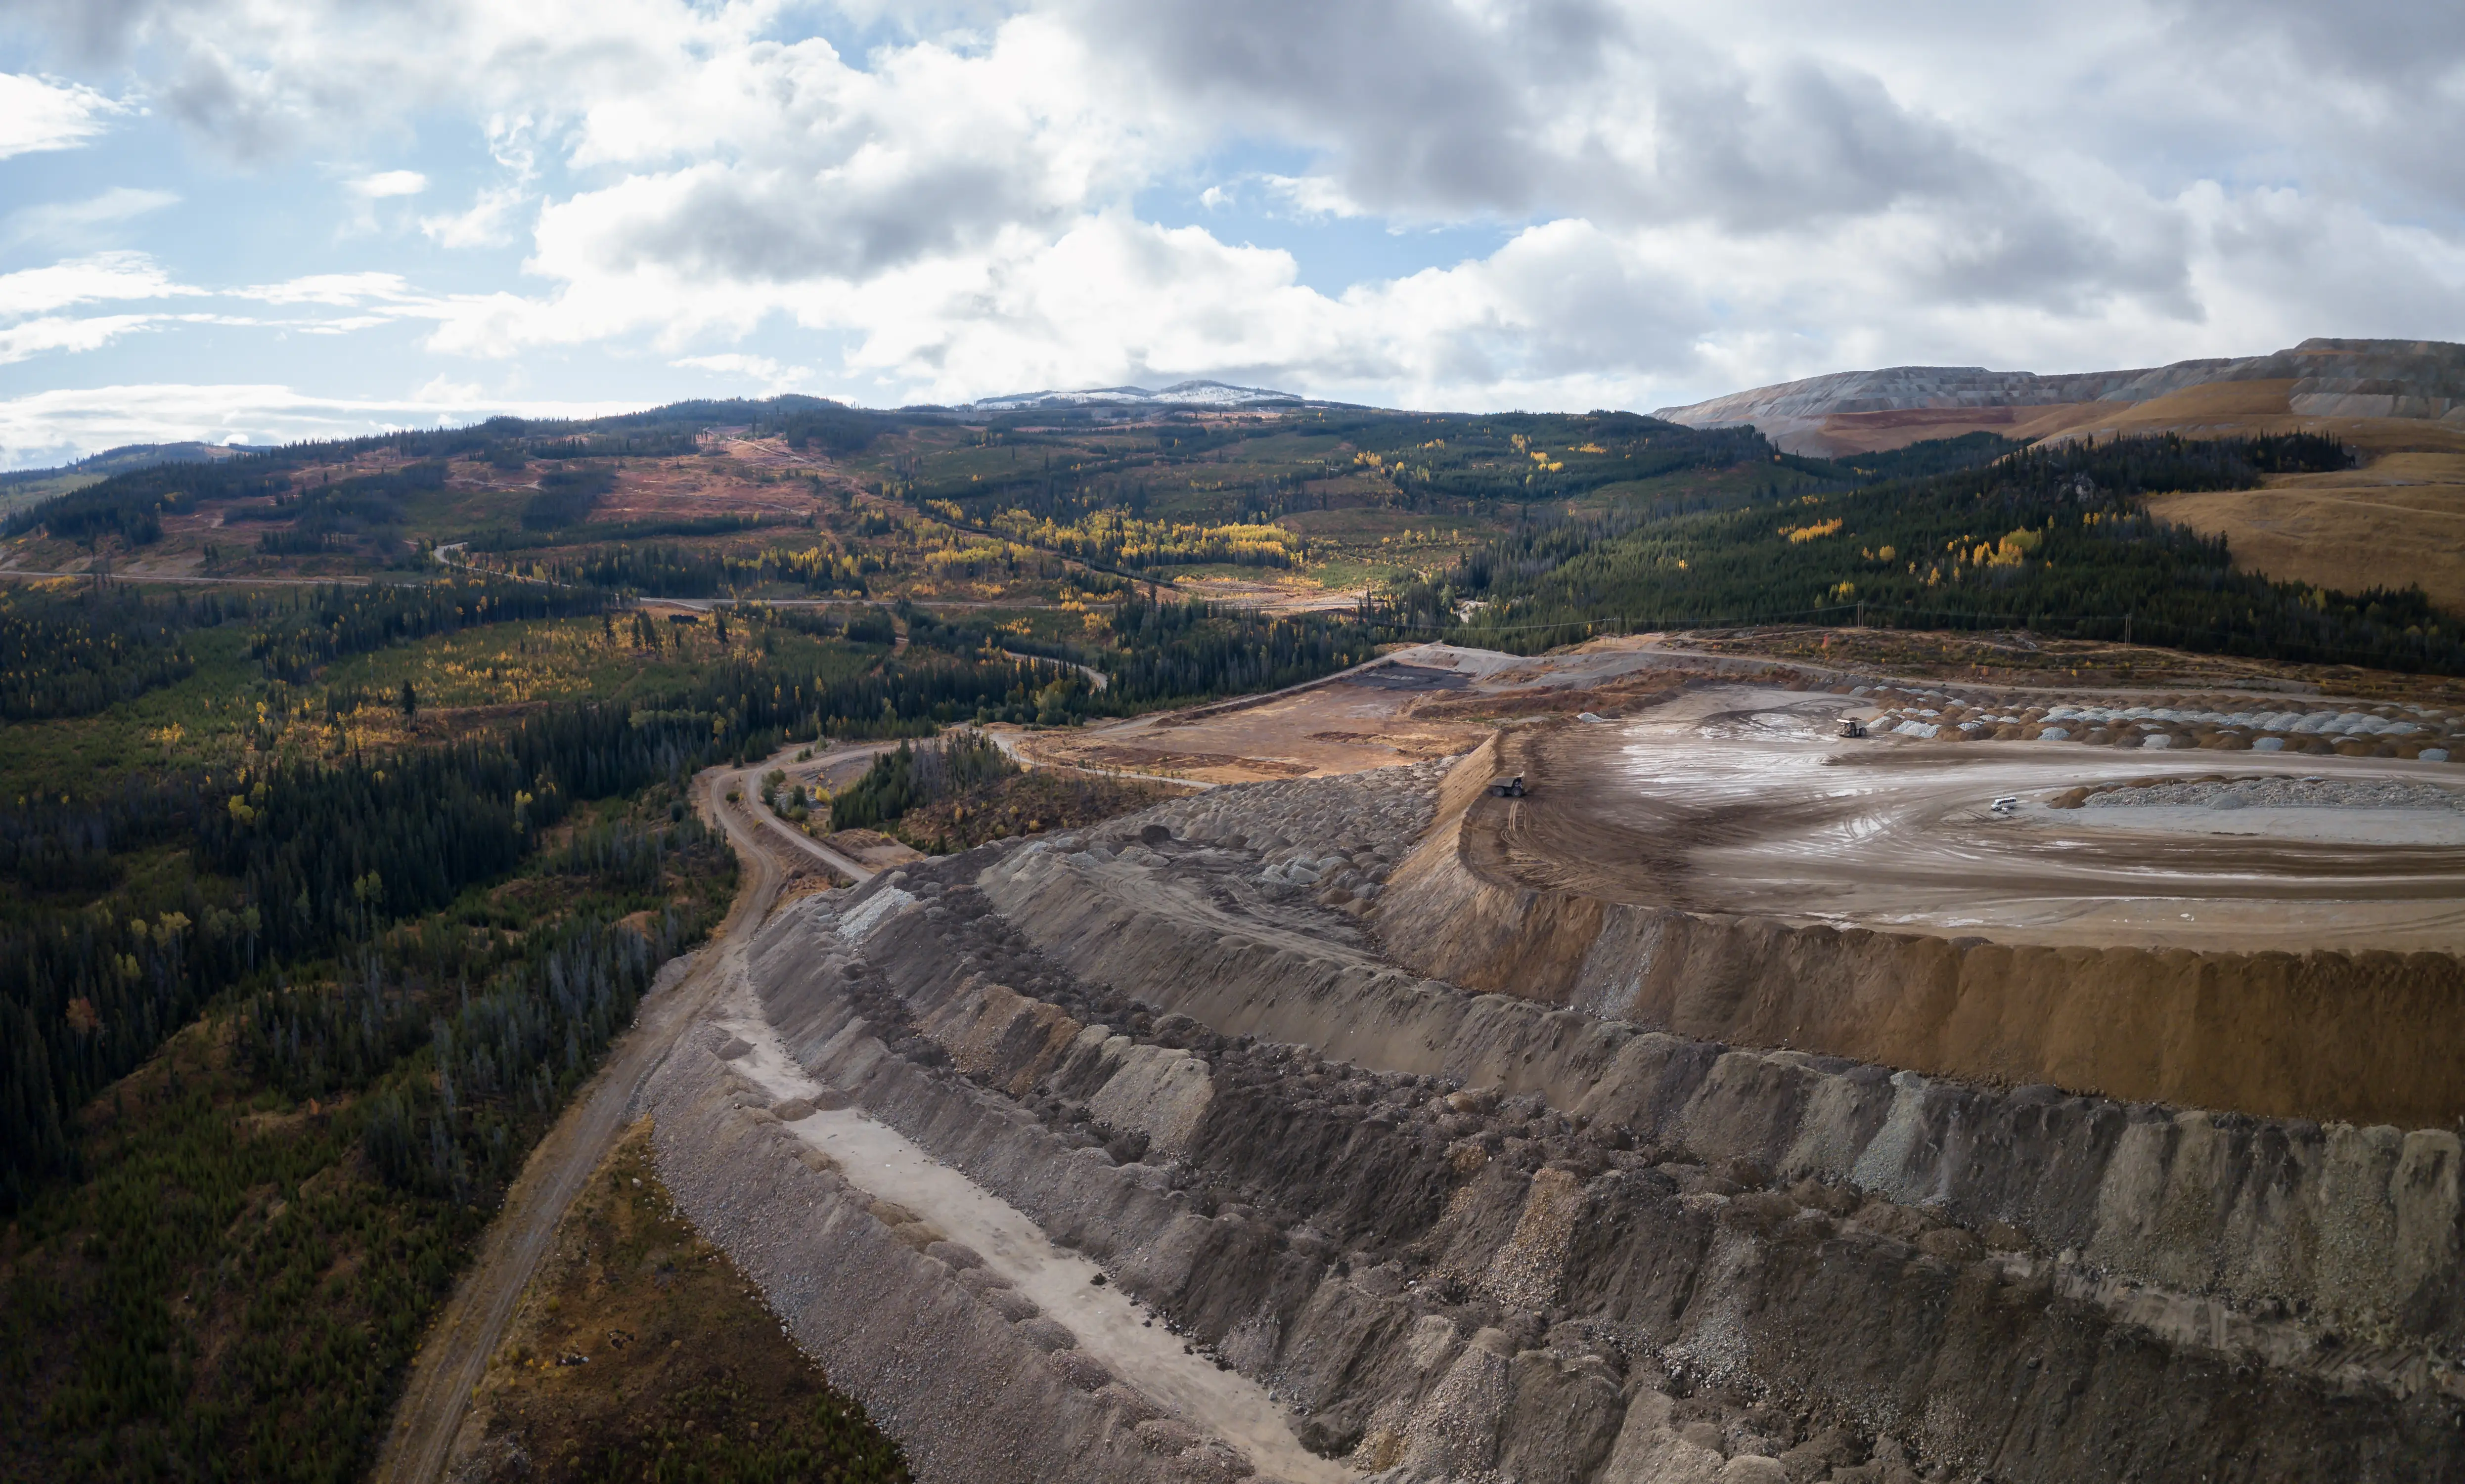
point(2271, 792)
point(2430, 734)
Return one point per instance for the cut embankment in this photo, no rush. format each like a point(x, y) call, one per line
point(2237, 1205)
point(990, 1351)
point(2366, 1037)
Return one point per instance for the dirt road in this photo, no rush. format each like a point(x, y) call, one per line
point(456, 1352)
point(750, 806)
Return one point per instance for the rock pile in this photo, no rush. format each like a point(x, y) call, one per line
point(2409, 731)
point(2276, 793)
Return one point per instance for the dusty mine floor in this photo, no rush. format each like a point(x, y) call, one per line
point(1741, 800)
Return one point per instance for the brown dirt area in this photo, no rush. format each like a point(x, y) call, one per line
point(687, 1374)
point(1340, 727)
point(1851, 434)
point(1024, 804)
point(1298, 596)
point(871, 848)
point(2068, 973)
point(2215, 409)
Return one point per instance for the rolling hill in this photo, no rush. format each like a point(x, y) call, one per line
point(2318, 382)
point(2398, 519)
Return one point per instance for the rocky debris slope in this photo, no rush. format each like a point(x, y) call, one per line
point(1468, 1236)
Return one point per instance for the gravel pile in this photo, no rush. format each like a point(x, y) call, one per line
point(2177, 721)
point(2282, 793)
point(1339, 838)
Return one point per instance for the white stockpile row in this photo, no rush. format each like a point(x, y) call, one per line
point(2429, 734)
point(2308, 723)
point(2282, 793)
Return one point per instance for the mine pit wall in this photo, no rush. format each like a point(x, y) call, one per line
point(2367, 1038)
point(1587, 1289)
point(2356, 1228)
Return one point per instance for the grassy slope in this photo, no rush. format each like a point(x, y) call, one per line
point(687, 1375)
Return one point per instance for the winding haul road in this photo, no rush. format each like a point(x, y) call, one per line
point(455, 1355)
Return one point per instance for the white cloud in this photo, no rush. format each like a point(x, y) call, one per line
point(100, 277)
point(761, 370)
point(1688, 201)
point(1313, 196)
point(331, 288)
point(40, 113)
point(47, 427)
point(77, 223)
point(490, 219)
point(34, 337)
point(488, 222)
point(387, 184)
point(443, 389)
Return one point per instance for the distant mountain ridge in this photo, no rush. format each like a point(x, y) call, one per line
point(135, 455)
point(1864, 412)
point(1191, 393)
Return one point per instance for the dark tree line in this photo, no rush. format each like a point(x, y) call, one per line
point(837, 430)
point(2054, 539)
point(566, 496)
point(292, 861)
point(79, 654)
point(1181, 651)
point(75, 655)
point(418, 1067)
point(292, 638)
point(671, 571)
point(510, 540)
point(917, 774)
point(509, 1026)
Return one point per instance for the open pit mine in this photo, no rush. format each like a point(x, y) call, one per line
point(1745, 1102)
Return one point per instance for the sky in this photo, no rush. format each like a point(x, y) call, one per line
point(259, 220)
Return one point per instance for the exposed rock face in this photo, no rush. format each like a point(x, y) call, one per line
point(2328, 378)
point(1472, 1236)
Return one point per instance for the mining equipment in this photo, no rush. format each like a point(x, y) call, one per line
point(1850, 727)
point(1512, 790)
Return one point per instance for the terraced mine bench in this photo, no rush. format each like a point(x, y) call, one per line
point(1452, 1176)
